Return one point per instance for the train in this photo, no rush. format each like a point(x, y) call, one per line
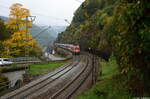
point(75, 49)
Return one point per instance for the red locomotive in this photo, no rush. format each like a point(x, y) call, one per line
point(75, 49)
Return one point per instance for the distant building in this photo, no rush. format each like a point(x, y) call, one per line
point(53, 51)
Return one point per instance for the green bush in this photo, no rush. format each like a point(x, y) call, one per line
point(129, 35)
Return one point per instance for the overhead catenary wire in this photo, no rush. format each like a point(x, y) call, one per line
point(39, 14)
point(79, 1)
point(33, 38)
point(62, 19)
point(53, 17)
point(40, 33)
point(47, 16)
point(67, 21)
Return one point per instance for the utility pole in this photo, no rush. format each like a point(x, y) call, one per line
point(28, 18)
point(26, 47)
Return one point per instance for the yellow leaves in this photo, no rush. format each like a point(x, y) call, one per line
point(25, 12)
point(29, 37)
point(18, 22)
point(32, 42)
point(18, 17)
point(16, 36)
point(7, 43)
point(21, 39)
point(16, 51)
point(29, 25)
point(16, 5)
point(22, 25)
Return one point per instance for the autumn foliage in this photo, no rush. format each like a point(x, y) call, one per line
point(21, 42)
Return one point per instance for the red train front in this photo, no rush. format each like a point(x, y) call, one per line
point(75, 49)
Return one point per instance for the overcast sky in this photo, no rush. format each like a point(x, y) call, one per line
point(48, 12)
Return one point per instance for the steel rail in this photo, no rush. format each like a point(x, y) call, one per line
point(58, 93)
point(72, 66)
point(80, 84)
point(22, 91)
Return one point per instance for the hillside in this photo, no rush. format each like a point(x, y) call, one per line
point(118, 26)
point(47, 37)
point(4, 18)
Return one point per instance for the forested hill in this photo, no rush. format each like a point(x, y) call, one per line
point(121, 26)
point(45, 38)
point(88, 24)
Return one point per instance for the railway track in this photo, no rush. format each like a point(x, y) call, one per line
point(70, 89)
point(54, 79)
point(57, 85)
point(34, 86)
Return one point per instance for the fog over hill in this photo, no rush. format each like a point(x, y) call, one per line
point(47, 37)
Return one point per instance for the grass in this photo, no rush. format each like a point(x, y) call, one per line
point(41, 69)
point(110, 84)
point(35, 69)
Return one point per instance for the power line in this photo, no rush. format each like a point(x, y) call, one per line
point(41, 32)
point(47, 16)
point(67, 21)
point(79, 1)
point(38, 14)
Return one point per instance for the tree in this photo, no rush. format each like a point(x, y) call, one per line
point(21, 40)
point(129, 34)
point(4, 31)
